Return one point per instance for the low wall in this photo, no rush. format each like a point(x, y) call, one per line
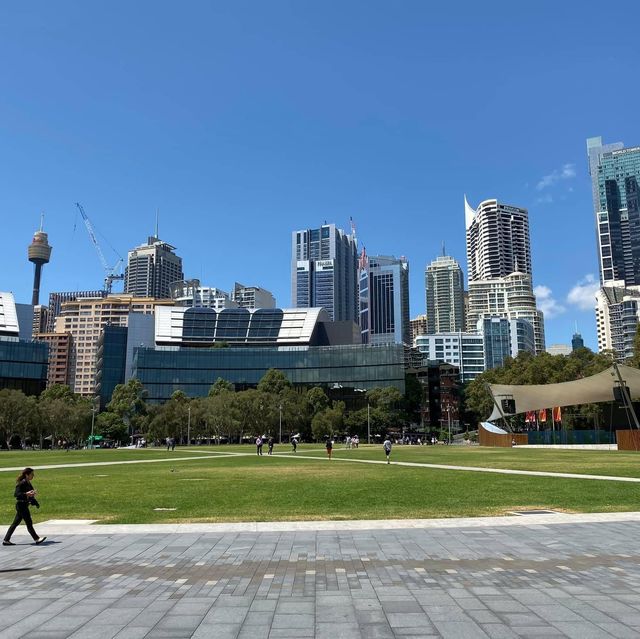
point(504, 441)
point(628, 439)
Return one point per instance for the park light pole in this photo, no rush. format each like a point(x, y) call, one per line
point(93, 421)
point(189, 426)
point(280, 438)
point(449, 420)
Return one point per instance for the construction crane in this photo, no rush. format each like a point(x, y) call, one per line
point(110, 272)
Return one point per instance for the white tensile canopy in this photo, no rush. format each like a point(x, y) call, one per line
point(589, 390)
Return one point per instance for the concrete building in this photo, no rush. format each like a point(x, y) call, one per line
point(559, 349)
point(510, 297)
point(617, 313)
point(499, 265)
point(252, 297)
point(59, 371)
point(84, 319)
point(151, 268)
point(444, 288)
point(190, 293)
point(324, 271)
point(418, 326)
point(384, 300)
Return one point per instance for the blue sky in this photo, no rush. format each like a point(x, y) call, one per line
point(242, 121)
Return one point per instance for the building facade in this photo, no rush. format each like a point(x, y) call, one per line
point(617, 313)
point(418, 326)
point(324, 271)
point(577, 342)
point(252, 296)
point(190, 293)
point(59, 357)
point(84, 320)
point(384, 300)
point(444, 288)
point(615, 172)
point(23, 362)
point(151, 268)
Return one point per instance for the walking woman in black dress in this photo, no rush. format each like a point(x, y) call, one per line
point(25, 495)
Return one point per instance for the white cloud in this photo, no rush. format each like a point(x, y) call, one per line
point(547, 303)
point(583, 294)
point(547, 198)
point(566, 172)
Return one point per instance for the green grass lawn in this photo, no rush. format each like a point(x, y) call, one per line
point(249, 488)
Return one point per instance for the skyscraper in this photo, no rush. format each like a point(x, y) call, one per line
point(384, 300)
point(444, 286)
point(499, 265)
point(151, 268)
point(577, 341)
point(252, 296)
point(615, 172)
point(324, 271)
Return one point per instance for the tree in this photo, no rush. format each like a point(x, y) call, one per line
point(219, 386)
point(18, 414)
point(274, 382)
point(128, 402)
point(111, 426)
point(316, 400)
point(328, 422)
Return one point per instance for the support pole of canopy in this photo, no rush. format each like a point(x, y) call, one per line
point(625, 394)
point(497, 405)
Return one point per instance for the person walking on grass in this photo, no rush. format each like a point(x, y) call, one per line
point(258, 445)
point(386, 445)
point(25, 495)
point(294, 444)
point(329, 447)
point(270, 444)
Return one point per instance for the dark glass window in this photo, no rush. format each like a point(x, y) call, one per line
point(199, 324)
point(265, 324)
point(233, 324)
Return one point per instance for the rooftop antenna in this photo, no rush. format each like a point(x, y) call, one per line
point(576, 327)
point(157, 215)
point(41, 221)
point(443, 253)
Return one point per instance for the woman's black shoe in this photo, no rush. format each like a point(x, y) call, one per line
point(39, 540)
point(8, 543)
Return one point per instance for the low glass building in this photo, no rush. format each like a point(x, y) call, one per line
point(194, 370)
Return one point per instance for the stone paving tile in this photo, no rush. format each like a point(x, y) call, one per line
point(581, 581)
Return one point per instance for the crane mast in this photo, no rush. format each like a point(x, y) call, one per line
point(110, 272)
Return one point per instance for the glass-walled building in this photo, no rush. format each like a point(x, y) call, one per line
point(194, 370)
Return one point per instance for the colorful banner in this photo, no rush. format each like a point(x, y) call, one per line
point(557, 414)
point(542, 414)
point(530, 417)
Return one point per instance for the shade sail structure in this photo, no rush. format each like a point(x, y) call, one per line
point(589, 390)
point(492, 428)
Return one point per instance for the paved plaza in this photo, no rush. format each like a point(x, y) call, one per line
point(518, 576)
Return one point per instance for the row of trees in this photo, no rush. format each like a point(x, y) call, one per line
point(274, 408)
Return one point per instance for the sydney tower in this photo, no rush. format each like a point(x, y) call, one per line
point(39, 254)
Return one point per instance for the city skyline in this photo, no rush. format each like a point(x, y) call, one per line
point(256, 123)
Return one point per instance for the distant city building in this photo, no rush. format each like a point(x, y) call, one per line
point(252, 297)
point(497, 240)
point(84, 319)
point(151, 268)
point(444, 287)
point(494, 339)
point(23, 363)
point(617, 310)
point(615, 172)
point(59, 357)
point(48, 324)
point(511, 297)
point(418, 326)
point(324, 263)
point(384, 300)
point(577, 341)
point(464, 350)
point(190, 293)
point(559, 349)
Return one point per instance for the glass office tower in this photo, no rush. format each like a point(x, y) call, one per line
point(324, 271)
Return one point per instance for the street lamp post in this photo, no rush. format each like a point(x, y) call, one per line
point(189, 427)
point(449, 420)
point(93, 421)
point(280, 438)
point(368, 422)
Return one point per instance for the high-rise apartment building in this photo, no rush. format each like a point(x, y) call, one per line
point(577, 341)
point(384, 300)
point(615, 172)
point(617, 309)
point(418, 326)
point(84, 319)
point(497, 240)
point(151, 268)
point(324, 271)
point(48, 324)
point(444, 287)
point(499, 265)
point(252, 297)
